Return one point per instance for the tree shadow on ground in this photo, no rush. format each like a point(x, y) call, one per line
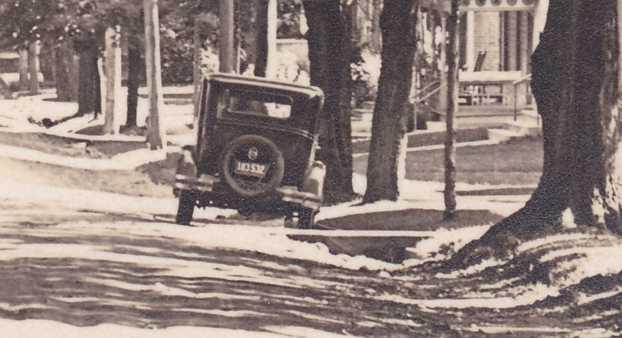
point(153, 282)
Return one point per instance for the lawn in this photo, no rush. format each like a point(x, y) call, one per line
point(515, 162)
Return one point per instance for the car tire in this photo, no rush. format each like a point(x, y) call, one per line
point(275, 173)
point(185, 208)
point(306, 218)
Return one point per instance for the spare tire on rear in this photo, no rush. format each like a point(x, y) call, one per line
point(252, 166)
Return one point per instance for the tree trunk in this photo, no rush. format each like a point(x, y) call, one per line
point(134, 72)
point(66, 71)
point(266, 25)
point(388, 125)
point(329, 40)
point(113, 81)
point(33, 67)
point(376, 36)
point(575, 87)
point(452, 111)
point(197, 75)
point(89, 95)
point(228, 54)
point(23, 69)
point(156, 136)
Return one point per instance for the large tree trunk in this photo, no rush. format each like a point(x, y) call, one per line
point(66, 71)
point(388, 126)
point(89, 95)
point(330, 42)
point(575, 87)
point(136, 68)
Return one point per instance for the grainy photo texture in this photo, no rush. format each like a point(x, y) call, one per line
point(310, 168)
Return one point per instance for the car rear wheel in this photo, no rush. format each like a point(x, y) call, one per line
point(252, 166)
point(185, 209)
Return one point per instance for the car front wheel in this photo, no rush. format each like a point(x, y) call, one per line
point(185, 209)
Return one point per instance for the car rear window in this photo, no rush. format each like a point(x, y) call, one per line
point(248, 102)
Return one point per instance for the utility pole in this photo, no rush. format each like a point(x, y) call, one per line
point(228, 53)
point(156, 136)
point(113, 80)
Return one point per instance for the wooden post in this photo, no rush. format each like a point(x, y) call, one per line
point(619, 19)
point(229, 60)
point(197, 75)
point(452, 110)
point(442, 102)
point(23, 69)
point(33, 66)
point(266, 38)
point(156, 136)
point(112, 69)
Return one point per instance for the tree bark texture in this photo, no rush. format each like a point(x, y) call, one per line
point(89, 95)
point(330, 42)
point(449, 194)
point(388, 125)
point(66, 72)
point(135, 71)
point(575, 86)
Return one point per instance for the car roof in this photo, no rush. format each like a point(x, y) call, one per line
point(265, 83)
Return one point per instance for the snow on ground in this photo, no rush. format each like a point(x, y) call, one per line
point(125, 161)
point(14, 114)
point(52, 329)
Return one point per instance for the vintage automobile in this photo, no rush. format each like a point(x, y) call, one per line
point(255, 150)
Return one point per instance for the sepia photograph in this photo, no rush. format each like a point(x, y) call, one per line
point(310, 168)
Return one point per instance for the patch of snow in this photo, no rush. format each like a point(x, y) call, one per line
point(536, 292)
point(592, 261)
point(584, 298)
point(553, 239)
point(471, 270)
point(51, 329)
point(298, 331)
point(490, 329)
point(457, 237)
point(126, 161)
point(223, 313)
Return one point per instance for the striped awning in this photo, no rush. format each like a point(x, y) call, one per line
point(482, 5)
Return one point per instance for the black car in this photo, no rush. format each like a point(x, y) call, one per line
point(255, 150)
